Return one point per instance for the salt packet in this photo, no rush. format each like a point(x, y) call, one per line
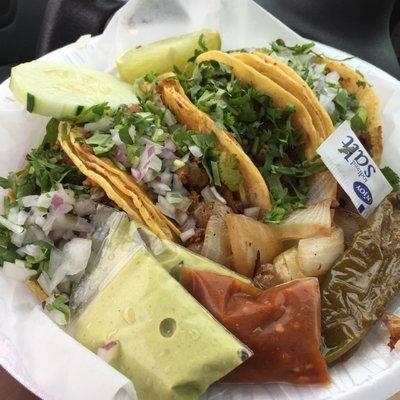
point(354, 169)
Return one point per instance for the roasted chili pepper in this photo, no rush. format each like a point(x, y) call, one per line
point(360, 286)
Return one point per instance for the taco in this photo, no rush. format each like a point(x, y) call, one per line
point(169, 166)
point(342, 91)
point(267, 116)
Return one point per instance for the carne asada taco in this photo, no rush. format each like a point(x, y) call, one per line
point(341, 90)
point(167, 164)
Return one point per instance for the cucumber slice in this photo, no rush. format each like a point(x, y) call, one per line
point(162, 56)
point(64, 91)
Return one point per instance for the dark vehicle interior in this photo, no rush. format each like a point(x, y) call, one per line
point(30, 29)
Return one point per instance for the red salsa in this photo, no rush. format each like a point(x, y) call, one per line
point(281, 325)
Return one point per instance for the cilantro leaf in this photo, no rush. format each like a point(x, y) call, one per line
point(201, 49)
point(60, 303)
point(51, 133)
point(358, 121)
point(102, 143)
point(8, 251)
point(392, 178)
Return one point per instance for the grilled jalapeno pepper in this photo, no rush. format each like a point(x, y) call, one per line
point(360, 286)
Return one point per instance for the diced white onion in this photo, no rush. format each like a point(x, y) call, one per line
point(181, 218)
point(115, 137)
point(169, 144)
point(10, 225)
point(217, 195)
point(17, 270)
point(184, 204)
point(177, 186)
point(166, 177)
point(186, 235)
point(30, 201)
point(332, 77)
point(195, 150)
point(173, 197)
point(22, 217)
point(132, 132)
point(57, 316)
point(207, 195)
point(109, 351)
point(169, 118)
point(155, 164)
point(12, 215)
point(190, 223)
point(85, 207)
point(75, 256)
point(185, 158)
point(44, 200)
point(136, 174)
point(71, 223)
point(160, 188)
point(166, 208)
point(252, 212)
point(44, 282)
point(18, 238)
point(30, 250)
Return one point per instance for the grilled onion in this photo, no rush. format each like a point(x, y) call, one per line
point(247, 237)
point(317, 254)
point(216, 245)
point(322, 186)
point(314, 220)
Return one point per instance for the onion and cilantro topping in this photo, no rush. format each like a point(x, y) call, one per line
point(264, 131)
point(173, 163)
point(45, 226)
point(338, 102)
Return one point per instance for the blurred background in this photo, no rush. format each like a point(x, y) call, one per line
point(29, 29)
point(369, 29)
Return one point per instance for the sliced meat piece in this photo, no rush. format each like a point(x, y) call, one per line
point(193, 176)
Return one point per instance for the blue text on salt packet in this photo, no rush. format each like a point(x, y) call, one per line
point(354, 169)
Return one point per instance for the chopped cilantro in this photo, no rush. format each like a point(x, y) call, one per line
point(201, 49)
point(362, 84)
point(46, 168)
point(124, 135)
point(347, 150)
point(60, 303)
point(358, 121)
point(392, 178)
point(101, 143)
point(51, 133)
point(264, 131)
point(8, 251)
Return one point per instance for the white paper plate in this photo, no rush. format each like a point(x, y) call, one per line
point(48, 361)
